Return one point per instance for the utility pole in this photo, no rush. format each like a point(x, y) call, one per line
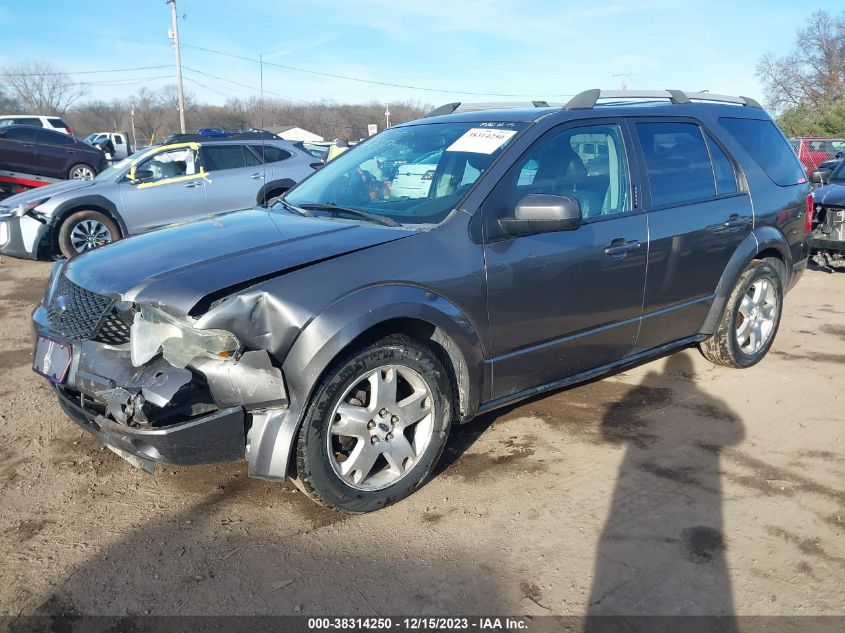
point(132, 119)
point(387, 115)
point(174, 34)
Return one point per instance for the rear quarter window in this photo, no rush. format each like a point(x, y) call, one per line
point(769, 149)
point(57, 123)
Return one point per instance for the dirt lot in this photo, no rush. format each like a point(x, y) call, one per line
point(676, 487)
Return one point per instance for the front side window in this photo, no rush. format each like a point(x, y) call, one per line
point(587, 163)
point(768, 148)
point(362, 178)
point(677, 162)
point(166, 165)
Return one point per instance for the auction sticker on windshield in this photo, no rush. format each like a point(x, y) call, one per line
point(481, 141)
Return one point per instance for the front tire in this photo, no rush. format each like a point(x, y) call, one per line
point(86, 230)
point(750, 322)
point(81, 172)
point(375, 428)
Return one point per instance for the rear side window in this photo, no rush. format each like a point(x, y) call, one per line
point(271, 153)
point(768, 148)
point(25, 134)
point(677, 162)
point(31, 121)
point(723, 168)
point(219, 157)
point(57, 123)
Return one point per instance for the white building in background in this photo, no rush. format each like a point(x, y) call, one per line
point(293, 133)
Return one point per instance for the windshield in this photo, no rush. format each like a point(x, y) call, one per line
point(363, 178)
point(838, 174)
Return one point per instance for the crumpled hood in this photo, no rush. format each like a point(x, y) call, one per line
point(833, 194)
point(177, 266)
point(47, 191)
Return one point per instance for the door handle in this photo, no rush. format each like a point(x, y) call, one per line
point(192, 184)
point(619, 247)
point(734, 221)
point(256, 176)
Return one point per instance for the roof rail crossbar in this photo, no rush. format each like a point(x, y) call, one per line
point(458, 106)
point(589, 98)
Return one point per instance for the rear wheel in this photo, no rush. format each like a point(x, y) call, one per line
point(376, 427)
point(81, 172)
point(86, 230)
point(751, 319)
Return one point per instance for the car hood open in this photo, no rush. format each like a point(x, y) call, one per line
point(178, 266)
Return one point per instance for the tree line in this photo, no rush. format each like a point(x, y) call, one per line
point(42, 88)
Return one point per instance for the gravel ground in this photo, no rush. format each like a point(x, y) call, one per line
point(676, 487)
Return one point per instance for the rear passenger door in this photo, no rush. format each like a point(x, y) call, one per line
point(698, 213)
point(55, 153)
point(17, 150)
point(235, 175)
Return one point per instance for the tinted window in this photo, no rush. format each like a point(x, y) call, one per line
point(587, 163)
point(57, 123)
point(28, 134)
point(251, 159)
point(219, 157)
point(118, 139)
point(723, 168)
point(33, 122)
point(677, 162)
point(55, 138)
point(768, 148)
point(271, 153)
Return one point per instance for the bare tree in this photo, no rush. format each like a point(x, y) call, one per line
point(41, 88)
point(813, 73)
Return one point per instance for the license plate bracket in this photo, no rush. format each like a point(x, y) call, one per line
point(52, 358)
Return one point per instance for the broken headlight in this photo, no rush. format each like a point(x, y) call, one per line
point(179, 342)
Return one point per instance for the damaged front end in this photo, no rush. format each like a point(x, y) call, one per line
point(153, 385)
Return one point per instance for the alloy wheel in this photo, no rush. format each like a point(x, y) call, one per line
point(82, 172)
point(381, 427)
point(89, 234)
point(756, 317)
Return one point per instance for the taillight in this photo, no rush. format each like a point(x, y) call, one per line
point(808, 219)
point(69, 131)
point(429, 175)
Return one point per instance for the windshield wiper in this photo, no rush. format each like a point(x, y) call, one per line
point(366, 215)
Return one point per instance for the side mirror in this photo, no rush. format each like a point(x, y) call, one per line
point(143, 174)
point(542, 213)
point(820, 177)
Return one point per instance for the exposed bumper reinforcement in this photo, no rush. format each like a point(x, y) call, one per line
point(219, 437)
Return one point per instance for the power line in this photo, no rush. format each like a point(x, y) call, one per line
point(361, 80)
point(82, 72)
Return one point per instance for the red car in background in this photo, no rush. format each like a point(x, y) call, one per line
point(814, 150)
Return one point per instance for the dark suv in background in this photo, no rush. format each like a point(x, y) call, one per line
point(26, 149)
point(335, 337)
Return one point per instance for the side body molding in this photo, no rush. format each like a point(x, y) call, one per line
point(760, 239)
point(326, 336)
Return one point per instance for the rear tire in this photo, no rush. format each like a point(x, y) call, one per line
point(375, 428)
point(750, 322)
point(85, 230)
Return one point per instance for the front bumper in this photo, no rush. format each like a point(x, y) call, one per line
point(20, 236)
point(219, 437)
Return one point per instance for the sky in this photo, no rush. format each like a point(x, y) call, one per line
point(434, 51)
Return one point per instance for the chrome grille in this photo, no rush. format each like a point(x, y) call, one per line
point(76, 313)
point(113, 330)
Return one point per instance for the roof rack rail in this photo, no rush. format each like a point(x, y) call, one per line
point(587, 100)
point(458, 106)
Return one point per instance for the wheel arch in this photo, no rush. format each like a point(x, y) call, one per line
point(763, 243)
point(351, 322)
point(282, 184)
point(88, 203)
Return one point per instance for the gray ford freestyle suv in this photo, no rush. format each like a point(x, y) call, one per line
point(335, 337)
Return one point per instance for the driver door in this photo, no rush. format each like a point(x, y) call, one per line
point(562, 303)
point(167, 187)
